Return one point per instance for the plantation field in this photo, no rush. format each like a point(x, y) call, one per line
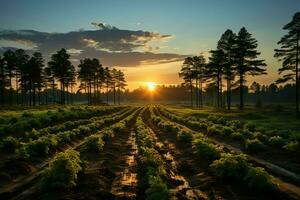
point(148, 152)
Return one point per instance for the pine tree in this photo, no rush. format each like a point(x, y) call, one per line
point(227, 44)
point(246, 60)
point(289, 55)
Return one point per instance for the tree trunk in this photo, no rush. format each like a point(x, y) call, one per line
point(119, 94)
point(10, 88)
point(241, 90)
point(17, 90)
point(197, 91)
point(191, 92)
point(297, 78)
point(228, 88)
point(62, 99)
point(114, 94)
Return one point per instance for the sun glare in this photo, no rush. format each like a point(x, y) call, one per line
point(151, 86)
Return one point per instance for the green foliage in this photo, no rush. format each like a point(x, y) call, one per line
point(37, 148)
point(254, 145)
point(107, 135)
point(62, 172)
point(258, 179)
point(277, 141)
point(260, 136)
point(157, 189)
point(94, 143)
point(9, 144)
point(204, 148)
point(236, 124)
point(227, 130)
point(184, 135)
point(215, 129)
point(293, 147)
point(230, 166)
point(237, 136)
point(250, 126)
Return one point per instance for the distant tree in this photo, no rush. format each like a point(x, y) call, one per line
point(255, 87)
point(21, 63)
point(289, 55)
point(10, 66)
point(61, 67)
point(108, 81)
point(114, 79)
point(246, 60)
point(227, 44)
point(199, 74)
point(121, 83)
point(35, 69)
point(186, 73)
point(49, 83)
point(215, 71)
point(3, 81)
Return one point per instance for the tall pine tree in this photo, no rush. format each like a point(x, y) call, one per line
point(289, 55)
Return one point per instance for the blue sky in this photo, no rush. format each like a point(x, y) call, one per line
point(195, 25)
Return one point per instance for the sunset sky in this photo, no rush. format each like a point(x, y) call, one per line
point(146, 39)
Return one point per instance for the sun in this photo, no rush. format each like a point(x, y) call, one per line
point(151, 86)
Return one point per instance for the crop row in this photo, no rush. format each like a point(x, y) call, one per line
point(27, 121)
point(223, 164)
point(152, 169)
point(63, 171)
point(46, 145)
point(252, 138)
point(53, 135)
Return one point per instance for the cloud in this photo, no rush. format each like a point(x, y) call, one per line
point(114, 47)
point(103, 26)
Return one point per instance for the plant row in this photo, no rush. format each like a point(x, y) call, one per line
point(51, 137)
point(223, 164)
point(151, 166)
point(27, 121)
point(64, 169)
point(252, 138)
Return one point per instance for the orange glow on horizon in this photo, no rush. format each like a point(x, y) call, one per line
point(151, 86)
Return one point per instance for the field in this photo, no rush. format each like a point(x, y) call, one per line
point(148, 152)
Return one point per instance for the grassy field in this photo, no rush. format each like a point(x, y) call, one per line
point(148, 152)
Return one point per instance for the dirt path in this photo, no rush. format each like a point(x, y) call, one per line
point(286, 187)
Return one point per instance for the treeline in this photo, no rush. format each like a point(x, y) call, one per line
point(26, 80)
point(254, 94)
point(237, 57)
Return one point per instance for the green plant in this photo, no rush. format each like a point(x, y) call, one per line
point(215, 129)
point(250, 126)
point(63, 171)
point(258, 179)
point(254, 145)
point(293, 147)
point(157, 189)
point(227, 130)
point(230, 166)
point(94, 143)
point(237, 136)
point(9, 144)
point(184, 136)
point(277, 141)
point(205, 149)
